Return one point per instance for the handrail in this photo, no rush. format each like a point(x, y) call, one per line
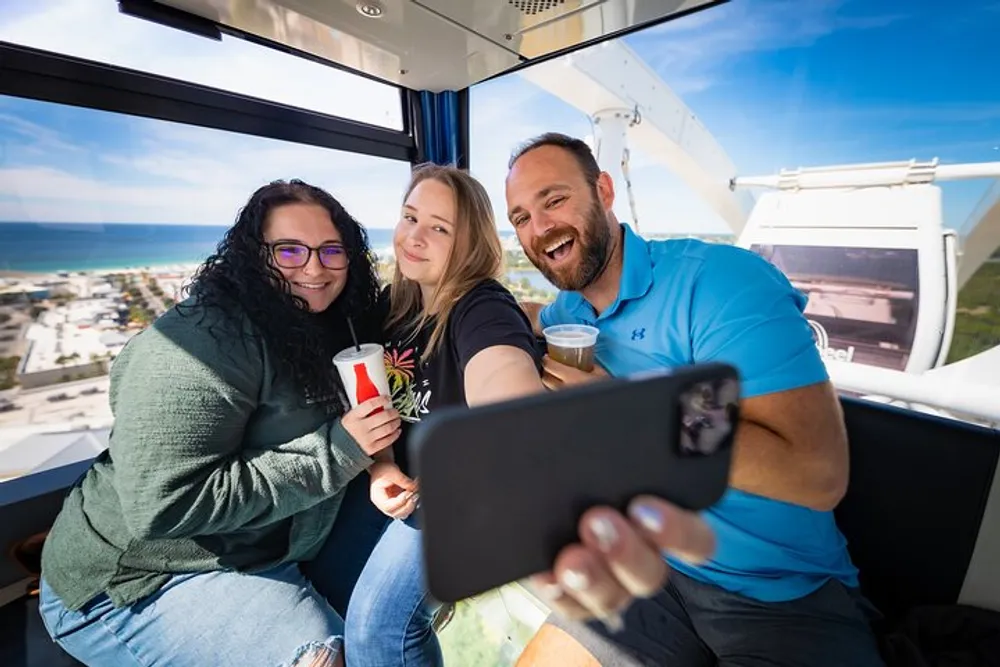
point(37, 484)
point(971, 399)
point(869, 175)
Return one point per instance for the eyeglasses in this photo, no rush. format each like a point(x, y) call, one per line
point(296, 255)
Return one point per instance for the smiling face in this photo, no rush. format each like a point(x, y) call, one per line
point(425, 233)
point(317, 276)
point(560, 219)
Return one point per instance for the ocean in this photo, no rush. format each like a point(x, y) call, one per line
point(52, 247)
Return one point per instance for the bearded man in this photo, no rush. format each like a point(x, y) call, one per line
point(780, 588)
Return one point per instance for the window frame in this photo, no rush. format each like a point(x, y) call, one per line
point(42, 75)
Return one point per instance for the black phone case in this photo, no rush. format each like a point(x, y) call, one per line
point(503, 486)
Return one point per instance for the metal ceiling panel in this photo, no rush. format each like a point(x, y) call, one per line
point(536, 28)
point(433, 44)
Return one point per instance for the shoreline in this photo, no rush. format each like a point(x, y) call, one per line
point(62, 274)
point(188, 267)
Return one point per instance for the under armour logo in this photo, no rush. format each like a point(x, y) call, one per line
point(638, 334)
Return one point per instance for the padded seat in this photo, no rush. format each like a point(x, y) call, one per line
point(912, 514)
point(24, 641)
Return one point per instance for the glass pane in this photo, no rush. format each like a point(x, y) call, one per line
point(777, 89)
point(863, 302)
point(492, 629)
point(97, 31)
point(977, 322)
point(102, 219)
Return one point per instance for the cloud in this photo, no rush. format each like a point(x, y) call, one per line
point(690, 50)
point(950, 113)
point(97, 31)
point(40, 137)
point(50, 194)
point(168, 173)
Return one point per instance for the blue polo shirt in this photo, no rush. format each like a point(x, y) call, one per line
point(686, 301)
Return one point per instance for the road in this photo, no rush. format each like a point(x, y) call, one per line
point(155, 302)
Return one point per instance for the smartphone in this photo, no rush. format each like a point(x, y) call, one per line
point(503, 486)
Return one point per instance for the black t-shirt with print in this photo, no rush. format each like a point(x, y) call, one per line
point(486, 316)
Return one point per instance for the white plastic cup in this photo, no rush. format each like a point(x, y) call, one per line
point(362, 372)
point(572, 344)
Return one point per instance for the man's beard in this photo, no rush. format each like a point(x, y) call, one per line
point(594, 245)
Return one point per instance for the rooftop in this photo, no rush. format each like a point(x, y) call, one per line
point(79, 328)
point(44, 451)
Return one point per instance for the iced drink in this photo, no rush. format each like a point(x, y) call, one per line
point(572, 344)
point(362, 372)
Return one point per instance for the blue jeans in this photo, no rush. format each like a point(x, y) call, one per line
point(278, 617)
point(224, 619)
point(389, 618)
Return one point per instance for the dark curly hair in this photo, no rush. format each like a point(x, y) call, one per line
point(242, 280)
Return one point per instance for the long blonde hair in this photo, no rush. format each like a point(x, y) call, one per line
point(476, 255)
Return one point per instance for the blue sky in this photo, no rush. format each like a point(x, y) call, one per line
point(779, 83)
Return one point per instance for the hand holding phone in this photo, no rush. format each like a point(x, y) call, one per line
point(504, 486)
point(619, 557)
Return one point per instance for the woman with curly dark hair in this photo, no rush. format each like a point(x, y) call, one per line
point(229, 458)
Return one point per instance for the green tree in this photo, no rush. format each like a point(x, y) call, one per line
point(977, 320)
point(8, 371)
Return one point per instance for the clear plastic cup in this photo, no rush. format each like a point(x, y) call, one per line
point(572, 344)
point(362, 372)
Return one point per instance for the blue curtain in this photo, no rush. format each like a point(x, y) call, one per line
point(439, 112)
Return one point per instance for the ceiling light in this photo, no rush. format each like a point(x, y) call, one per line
point(372, 10)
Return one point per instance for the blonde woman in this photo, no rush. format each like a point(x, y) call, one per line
point(454, 335)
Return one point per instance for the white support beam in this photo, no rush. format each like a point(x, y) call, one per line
point(958, 393)
point(910, 172)
point(612, 76)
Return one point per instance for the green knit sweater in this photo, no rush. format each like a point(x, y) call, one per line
point(214, 462)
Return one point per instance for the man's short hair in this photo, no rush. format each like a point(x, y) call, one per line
point(576, 147)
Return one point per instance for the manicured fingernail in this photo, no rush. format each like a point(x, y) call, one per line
point(605, 532)
point(687, 557)
point(575, 579)
point(551, 591)
point(613, 622)
point(648, 517)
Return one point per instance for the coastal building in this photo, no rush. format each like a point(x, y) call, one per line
point(70, 342)
point(43, 451)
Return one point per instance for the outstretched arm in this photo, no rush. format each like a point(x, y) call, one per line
point(500, 373)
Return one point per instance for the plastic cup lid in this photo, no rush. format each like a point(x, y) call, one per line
point(571, 335)
point(353, 354)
